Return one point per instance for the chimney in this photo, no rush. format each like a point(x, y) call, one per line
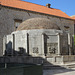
point(48, 5)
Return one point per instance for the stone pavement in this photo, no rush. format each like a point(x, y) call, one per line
point(59, 72)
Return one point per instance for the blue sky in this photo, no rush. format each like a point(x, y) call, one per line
point(67, 6)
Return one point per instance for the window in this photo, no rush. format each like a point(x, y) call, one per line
point(66, 28)
point(17, 22)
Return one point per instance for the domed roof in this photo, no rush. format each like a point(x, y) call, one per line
point(37, 23)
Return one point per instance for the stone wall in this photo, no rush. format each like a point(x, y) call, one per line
point(8, 15)
point(36, 42)
point(21, 59)
point(38, 60)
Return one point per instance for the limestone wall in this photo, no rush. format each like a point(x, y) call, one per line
point(36, 42)
point(9, 14)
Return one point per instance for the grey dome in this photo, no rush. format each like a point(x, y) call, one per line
point(37, 23)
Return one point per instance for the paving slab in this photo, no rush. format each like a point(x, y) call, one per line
point(59, 72)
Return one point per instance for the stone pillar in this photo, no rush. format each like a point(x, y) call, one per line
point(4, 44)
point(27, 43)
point(69, 39)
point(59, 44)
point(13, 45)
point(42, 44)
point(26, 39)
point(73, 46)
point(69, 43)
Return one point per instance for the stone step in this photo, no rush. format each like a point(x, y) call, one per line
point(59, 66)
point(53, 67)
point(70, 66)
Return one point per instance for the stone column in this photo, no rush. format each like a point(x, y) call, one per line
point(26, 39)
point(69, 39)
point(13, 45)
point(4, 44)
point(69, 43)
point(27, 43)
point(59, 44)
point(42, 52)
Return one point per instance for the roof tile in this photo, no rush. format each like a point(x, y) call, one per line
point(33, 7)
point(73, 17)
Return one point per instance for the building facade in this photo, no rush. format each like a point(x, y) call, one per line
point(13, 15)
point(37, 37)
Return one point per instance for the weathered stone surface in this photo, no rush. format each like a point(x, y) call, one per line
point(59, 72)
point(31, 42)
point(7, 21)
point(38, 23)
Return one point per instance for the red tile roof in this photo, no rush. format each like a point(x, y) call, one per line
point(33, 7)
point(73, 17)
